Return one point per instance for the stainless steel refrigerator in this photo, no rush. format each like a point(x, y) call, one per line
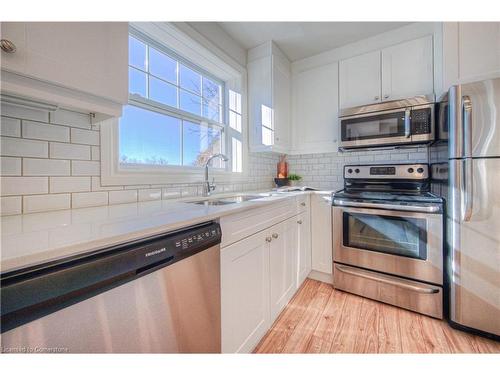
point(473, 206)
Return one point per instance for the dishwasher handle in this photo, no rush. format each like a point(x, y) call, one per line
point(29, 295)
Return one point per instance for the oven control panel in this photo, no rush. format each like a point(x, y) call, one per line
point(387, 171)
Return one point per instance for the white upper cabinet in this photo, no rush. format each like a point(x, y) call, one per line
point(397, 72)
point(315, 110)
point(269, 92)
point(360, 80)
point(407, 69)
point(471, 51)
point(79, 65)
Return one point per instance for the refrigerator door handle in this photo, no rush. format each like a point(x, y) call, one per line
point(467, 188)
point(467, 123)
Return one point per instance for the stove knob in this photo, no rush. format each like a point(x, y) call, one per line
point(349, 170)
point(356, 170)
point(420, 170)
point(411, 170)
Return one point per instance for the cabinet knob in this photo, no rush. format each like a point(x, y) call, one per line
point(376, 98)
point(299, 221)
point(275, 235)
point(386, 96)
point(303, 204)
point(7, 46)
point(268, 239)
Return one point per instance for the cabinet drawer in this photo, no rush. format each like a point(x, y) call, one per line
point(244, 224)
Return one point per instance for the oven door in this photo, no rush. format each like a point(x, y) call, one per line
point(376, 129)
point(403, 243)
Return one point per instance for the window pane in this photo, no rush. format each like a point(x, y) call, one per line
point(136, 53)
point(234, 101)
point(200, 142)
point(190, 80)
point(267, 117)
point(267, 137)
point(162, 66)
point(237, 158)
point(211, 92)
point(190, 102)
point(148, 137)
point(235, 121)
point(162, 92)
point(137, 82)
point(211, 112)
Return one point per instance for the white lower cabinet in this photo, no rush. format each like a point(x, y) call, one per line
point(321, 233)
point(283, 260)
point(304, 248)
point(245, 293)
point(259, 275)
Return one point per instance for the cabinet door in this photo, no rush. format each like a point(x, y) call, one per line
point(321, 233)
point(407, 69)
point(245, 293)
point(281, 101)
point(315, 104)
point(304, 247)
point(360, 80)
point(479, 50)
point(90, 57)
point(282, 268)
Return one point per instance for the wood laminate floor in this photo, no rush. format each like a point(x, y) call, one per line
point(320, 319)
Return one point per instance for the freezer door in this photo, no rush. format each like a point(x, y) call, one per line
point(474, 244)
point(480, 107)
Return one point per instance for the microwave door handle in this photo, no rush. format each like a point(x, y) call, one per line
point(407, 123)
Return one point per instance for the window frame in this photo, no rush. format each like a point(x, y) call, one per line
point(115, 173)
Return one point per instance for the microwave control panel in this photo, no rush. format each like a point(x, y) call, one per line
point(421, 121)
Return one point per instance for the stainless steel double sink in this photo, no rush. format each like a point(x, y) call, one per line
point(240, 198)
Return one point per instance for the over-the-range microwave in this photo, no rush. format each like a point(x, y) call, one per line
point(399, 122)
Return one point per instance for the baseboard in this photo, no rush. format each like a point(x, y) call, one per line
point(321, 276)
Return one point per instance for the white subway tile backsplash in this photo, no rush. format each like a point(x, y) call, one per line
point(45, 132)
point(69, 184)
point(122, 196)
point(10, 127)
point(47, 202)
point(24, 185)
point(85, 168)
point(149, 194)
point(24, 113)
point(70, 118)
point(87, 137)
point(24, 147)
point(96, 198)
point(10, 166)
point(69, 151)
point(96, 185)
point(46, 167)
point(96, 153)
point(10, 206)
point(171, 193)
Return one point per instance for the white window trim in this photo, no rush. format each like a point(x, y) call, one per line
point(113, 173)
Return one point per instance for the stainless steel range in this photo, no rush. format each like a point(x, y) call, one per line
point(388, 236)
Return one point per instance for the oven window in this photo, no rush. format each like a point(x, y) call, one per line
point(386, 234)
point(372, 127)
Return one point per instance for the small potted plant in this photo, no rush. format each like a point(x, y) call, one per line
point(294, 179)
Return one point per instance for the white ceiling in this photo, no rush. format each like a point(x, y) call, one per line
point(303, 39)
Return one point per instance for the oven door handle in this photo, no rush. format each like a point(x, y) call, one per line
point(385, 279)
point(413, 208)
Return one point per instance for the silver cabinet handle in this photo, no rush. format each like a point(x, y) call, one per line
point(7, 46)
point(386, 279)
point(386, 96)
point(407, 123)
point(303, 204)
point(467, 177)
point(275, 235)
point(376, 98)
point(299, 221)
point(268, 239)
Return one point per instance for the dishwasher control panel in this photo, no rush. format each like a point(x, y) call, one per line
point(196, 238)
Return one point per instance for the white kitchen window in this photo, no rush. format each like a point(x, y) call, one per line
point(185, 104)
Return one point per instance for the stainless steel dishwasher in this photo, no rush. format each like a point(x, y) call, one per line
point(159, 295)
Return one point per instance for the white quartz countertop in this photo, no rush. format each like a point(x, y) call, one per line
point(32, 239)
